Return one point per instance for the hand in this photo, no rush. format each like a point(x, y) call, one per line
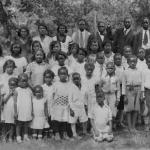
point(117, 103)
point(125, 100)
point(16, 116)
point(72, 113)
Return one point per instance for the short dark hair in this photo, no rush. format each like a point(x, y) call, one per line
point(9, 61)
point(44, 56)
point(48, 71)
point(61, 53)
point(107, 41)
point(83, 50)
point(43, 25)
point(12, 45)
point(62, 25)
point(23, 27)
point(62, 68)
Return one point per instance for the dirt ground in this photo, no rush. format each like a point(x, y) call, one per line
point(123, 141)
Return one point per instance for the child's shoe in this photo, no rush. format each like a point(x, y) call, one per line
point(57, 137)
point(65, 136)
point(10, 140)
point(26, 138)
point(19, 139)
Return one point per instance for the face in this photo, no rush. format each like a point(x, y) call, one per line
point(36, 47)
point(12, 84)
point(42, 30)
point(127, 52)
point(118, 60)
point(101, 27)
point(23, 83)
point(94, 46)
point(48, 79)
point(16, 49)
point(61, 60)
point(127, 23)
point(89, 70)
point(100, 58)
point(107, 48)
point(56, 48)
point(76, 79)
point(110, 69)
point(100, 99)
point(148, 62)
point(63, 75)
point(141, 54)
point(81, 56)
point(145, 23)
point(24, 33)
point(74, 50)
point(38, 92)
point(81, 25)
point(39, 56)
point(62, 29)
point(132, 62)
point(10, 69)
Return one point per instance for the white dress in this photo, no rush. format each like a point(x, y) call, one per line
point(39, 119)
point(24, 104)
point(48, 94)
point(7, 114)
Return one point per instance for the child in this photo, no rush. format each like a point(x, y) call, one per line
point(55, 47)
point(20, 61)
point(93, 50)
point(108, 54)
point(8, 72)
point(127, 51)
point(100, 68)
point(78, 65)
point(72, 55)
point(119, 70)
point(102, 126)
point(48, 89)
point(111, 87)
point(7, 116)
point(40, 112)
point(61, 57)
point(132, 86)
point(60, 104)
point(36, 68)
point(146, 79)
point(23, 107)
point(77, 106)
point(141, 62)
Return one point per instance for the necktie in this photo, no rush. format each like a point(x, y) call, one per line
point(125, 31)
point(145, 41)
point(81, 40)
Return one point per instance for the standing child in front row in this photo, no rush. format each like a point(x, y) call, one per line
point(7, 116)
point(23, 107)
point(101, 118)
point(132, 88)
point(111, 87)
point(40, 112)
point(77, 106)
point(146, 79)
point(60, 104)
point(48, 89)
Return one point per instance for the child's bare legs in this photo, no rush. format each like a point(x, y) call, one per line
point(34, 134)
point(55, 127)
point(84, 126)
point(25, 128)
point(18, 132)
point(129, 120)
point(4, 130)
point(134, 119)
point(73, 128)
point(40, 134)
point(11, 133)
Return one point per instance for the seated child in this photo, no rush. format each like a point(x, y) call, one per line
point(102, 126)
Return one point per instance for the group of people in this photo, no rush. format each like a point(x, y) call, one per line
point(68, 87)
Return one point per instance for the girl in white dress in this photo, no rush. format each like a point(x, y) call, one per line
point(23, 107)
point(48, 89)
point(7, 114)
point(21, 62)
point(60, 104)
point(40, 112)
point(36, 68)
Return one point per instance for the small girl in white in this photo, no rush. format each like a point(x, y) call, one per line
point(23, 107)
point(7, 116)
point(40, 112)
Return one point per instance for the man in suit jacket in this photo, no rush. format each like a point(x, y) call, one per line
point(123, 37)
point(81, 35)
point(103, 34)
point(142, 38)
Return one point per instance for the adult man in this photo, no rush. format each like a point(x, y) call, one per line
point(81, 35)
point(124, 36)
point(43, 38)
point(142, 38)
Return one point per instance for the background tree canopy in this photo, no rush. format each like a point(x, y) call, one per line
point(52, 12)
